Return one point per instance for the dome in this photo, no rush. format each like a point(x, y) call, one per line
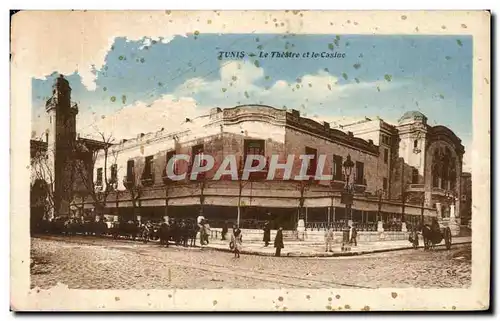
point(413, 116)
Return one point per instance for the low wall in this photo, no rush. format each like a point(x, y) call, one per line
point(318, 236)
point(249, 234)
point(314, 236)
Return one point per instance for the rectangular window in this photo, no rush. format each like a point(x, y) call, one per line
point(311, 169)
point(114, 173)
point(148, 167)
point(169, 156)
point(130, 169)
point(197, 150)
point(386, 140)
point(359, 173)
point(386, 155)
point(254, 147)
point(384, 184)
point(99, 177)
point(337, 168)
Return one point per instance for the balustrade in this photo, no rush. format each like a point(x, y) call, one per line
point(339, 226)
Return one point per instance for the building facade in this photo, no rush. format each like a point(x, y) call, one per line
point(395, 177)
point(401, 173)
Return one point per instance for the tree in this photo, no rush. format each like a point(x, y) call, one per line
point(98, 190)
point(42, 182)
point(133, 183)
point(43, 179)
point(303, 187)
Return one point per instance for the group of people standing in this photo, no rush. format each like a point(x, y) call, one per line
point(278, 240)
point(236, 241)
point(330, 237)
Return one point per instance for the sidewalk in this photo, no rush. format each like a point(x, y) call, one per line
point(315, 249)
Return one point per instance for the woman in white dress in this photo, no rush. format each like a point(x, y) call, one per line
point(236, 241)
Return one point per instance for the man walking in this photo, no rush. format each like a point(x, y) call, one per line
point(354, 234)
point(328, 240)
point(267, 234)
point(278, 242)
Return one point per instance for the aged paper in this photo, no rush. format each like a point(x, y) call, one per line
point(250, 160)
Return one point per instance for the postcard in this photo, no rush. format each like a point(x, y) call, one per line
point(250, 161)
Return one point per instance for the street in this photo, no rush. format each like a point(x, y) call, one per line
point(100, 263)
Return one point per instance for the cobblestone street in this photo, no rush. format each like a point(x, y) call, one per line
point(96, 263)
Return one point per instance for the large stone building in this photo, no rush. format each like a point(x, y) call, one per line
point(402, 169)
point(401, 172)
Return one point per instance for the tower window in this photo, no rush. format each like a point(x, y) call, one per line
point(415, 143)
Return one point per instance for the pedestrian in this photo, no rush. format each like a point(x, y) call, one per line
point(202, 232)
point(328, 239)
point(267, 234)
point(224, 231)
point(206, 231)
point(354, 234)
point(414, 237)
point(278, 241)
point(236, 241)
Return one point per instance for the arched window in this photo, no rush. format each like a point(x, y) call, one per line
point(415, 143)
point(453, 174)
point(435, 175)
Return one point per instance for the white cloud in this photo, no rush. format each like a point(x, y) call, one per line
point(237, 84)
point(148, 41)
point(84, 41)
point(167, 112)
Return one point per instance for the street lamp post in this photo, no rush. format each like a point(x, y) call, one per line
point(347, 199)
point(380, 226)
point(422, 204)
point(348, 166)
point(453, 224)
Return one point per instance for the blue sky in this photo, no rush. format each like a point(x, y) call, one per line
point(380, 75)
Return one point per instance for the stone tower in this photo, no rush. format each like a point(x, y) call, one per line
point(61, 136)
point(412, 129)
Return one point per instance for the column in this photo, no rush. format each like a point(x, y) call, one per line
point(454, 226)
point(439, 211)
point(301, 227)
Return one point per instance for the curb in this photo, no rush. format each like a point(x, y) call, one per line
point(338, 254)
